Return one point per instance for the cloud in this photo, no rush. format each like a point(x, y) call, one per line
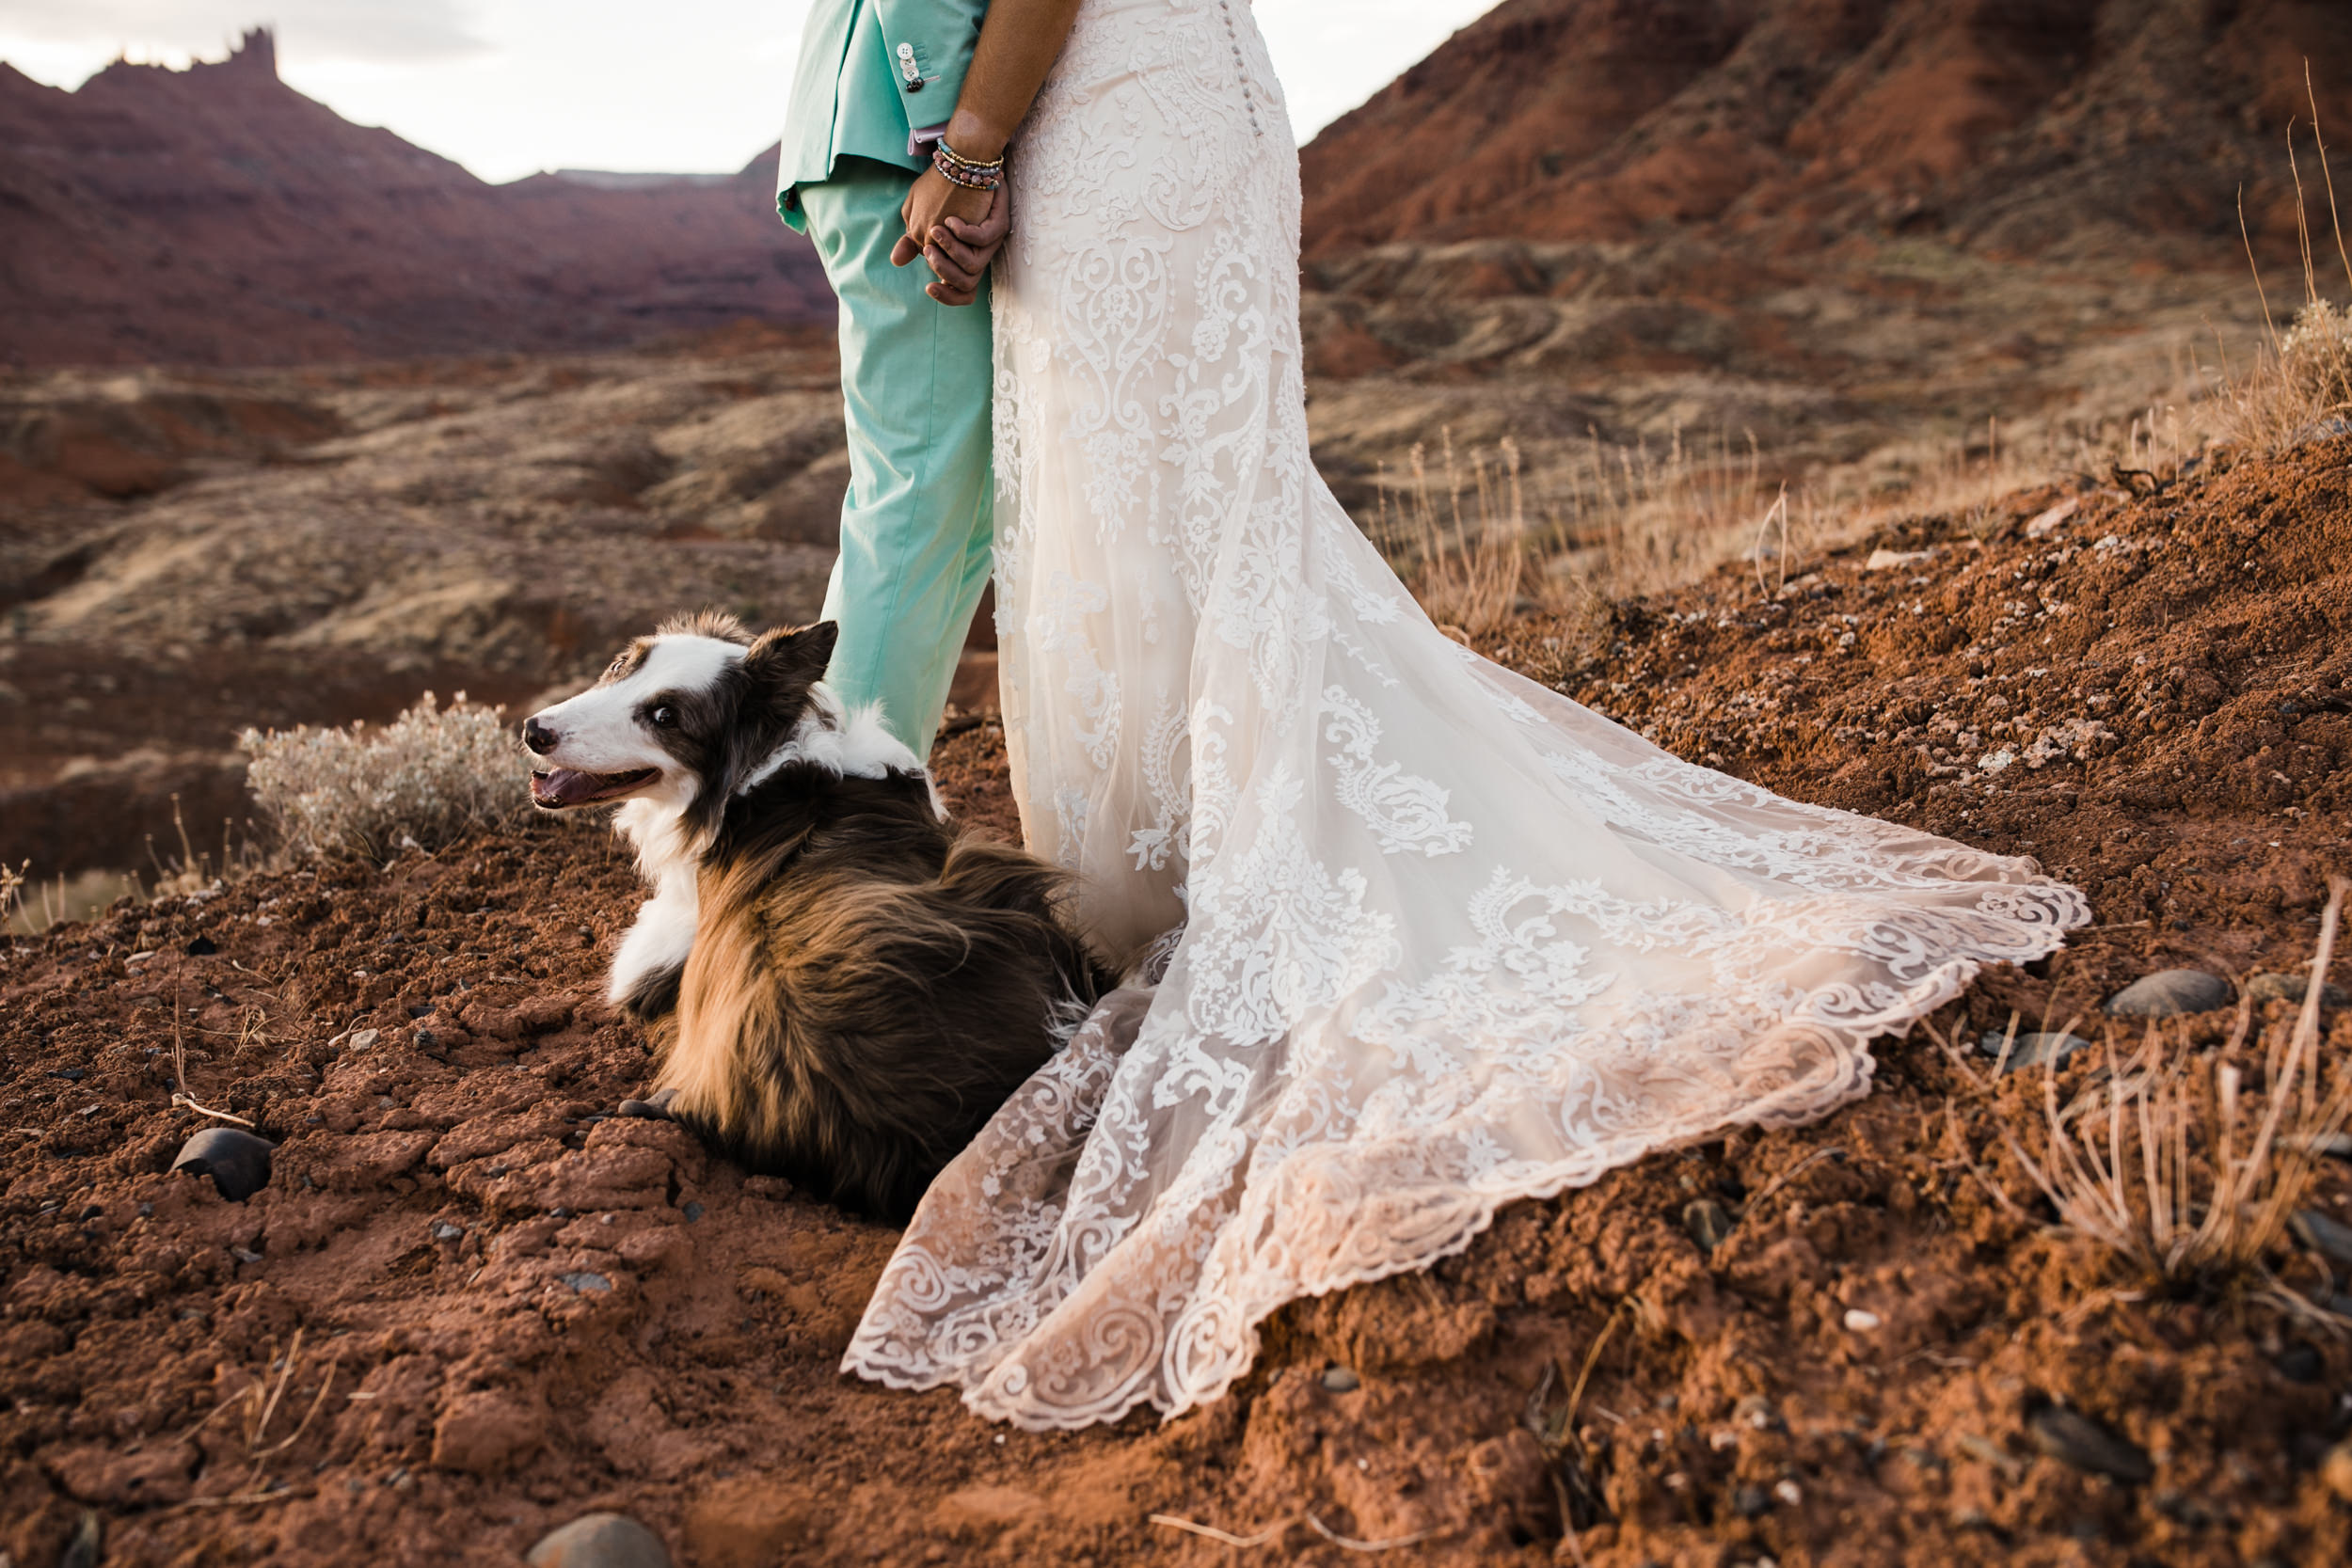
point(391, 32)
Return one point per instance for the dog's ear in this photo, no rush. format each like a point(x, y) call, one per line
point(784, 662)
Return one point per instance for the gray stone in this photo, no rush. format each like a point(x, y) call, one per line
point(656, 1109)
point(2033, 1050)
point(1339, 1380)
point(2293, 988)
point(2326, 1237)
point(600, 1540)
point(2073, 1438)
point(1708, 1222)
point(584, 1281)
point(237, 1162)
point(2169, 993)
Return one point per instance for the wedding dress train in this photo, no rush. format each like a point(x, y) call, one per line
point(1440, 938)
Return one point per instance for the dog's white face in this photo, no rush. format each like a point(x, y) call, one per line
point(639, 733)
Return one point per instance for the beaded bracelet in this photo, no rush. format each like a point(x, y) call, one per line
point(960, 170)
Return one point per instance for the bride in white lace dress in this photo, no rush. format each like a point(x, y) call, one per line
point(1439, 938)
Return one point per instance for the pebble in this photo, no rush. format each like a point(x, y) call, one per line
point(2169, 992)
point(1751, 1503)
point(2293, 988)
point(1755, 1411)
point(2075, 1439)
point(2300, 1363)
point(1884, 560)
point(364, 1038)
point(2330, 1238)
point(1339, 1380)
point(444, 1231)
point(600, 1540)
point(237, 1162)
point(585, 1281)
point(655, 1109)
point(1708, 1222)
point(1861, 1321)
point(2032, 1050)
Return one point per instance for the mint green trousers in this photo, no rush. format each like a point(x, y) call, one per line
point(916, 379)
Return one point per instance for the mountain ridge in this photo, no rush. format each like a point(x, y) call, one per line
point(214, 216)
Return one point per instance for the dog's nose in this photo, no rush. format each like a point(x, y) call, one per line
point(538, 736)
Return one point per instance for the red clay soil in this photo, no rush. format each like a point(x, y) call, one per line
point(470, 1306)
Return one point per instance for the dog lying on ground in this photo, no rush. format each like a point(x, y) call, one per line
point(844, 989)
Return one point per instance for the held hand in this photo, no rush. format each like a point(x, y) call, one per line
point(933, 199)
point(960, 252)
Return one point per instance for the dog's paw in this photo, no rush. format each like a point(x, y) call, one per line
point(656, 1109)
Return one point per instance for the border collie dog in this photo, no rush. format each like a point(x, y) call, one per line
point(844, 989)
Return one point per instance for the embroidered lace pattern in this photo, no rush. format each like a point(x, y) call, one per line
point(1434, 938)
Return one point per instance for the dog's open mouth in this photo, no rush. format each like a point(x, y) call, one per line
point(569, 786)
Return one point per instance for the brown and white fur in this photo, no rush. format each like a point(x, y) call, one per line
point(845, 989)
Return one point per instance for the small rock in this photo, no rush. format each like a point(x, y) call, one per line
point(2293, 988)
point(1757, 1411)
point(694, 1210)
point(2044, 522)
point(201, 946)
point(2169, 993)
point(2033, 1050)
point(364, 1038)
point(237, 1162)
point(2299, 1363)
point(71, 1075)
point(1884, 560)
point(600, 1540)
point(1861, 1321)
point(2326, 1237)
point(653, 1109)
point(2073, 1438)
point(1339, 1380)
point(584, 1281)
point(1751, 1503)
point(1708, 1222)
point(2336, 1470)
point(1789, 1492)
point(2334, 1146)
point(444, 1231)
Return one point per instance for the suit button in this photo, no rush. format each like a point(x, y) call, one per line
point(906, 51)
point(915, 83)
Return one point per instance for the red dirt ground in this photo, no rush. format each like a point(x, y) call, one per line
point(466, 1309)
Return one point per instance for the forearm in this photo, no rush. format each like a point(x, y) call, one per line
point(1020, 40)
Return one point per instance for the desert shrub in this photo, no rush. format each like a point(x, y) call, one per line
point(427, 779)
point(2303, 389)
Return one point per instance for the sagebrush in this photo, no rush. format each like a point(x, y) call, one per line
point(429, 778)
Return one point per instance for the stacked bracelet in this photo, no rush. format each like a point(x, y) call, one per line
point(960, 170)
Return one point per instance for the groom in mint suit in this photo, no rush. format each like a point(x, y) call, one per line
point(876, 82)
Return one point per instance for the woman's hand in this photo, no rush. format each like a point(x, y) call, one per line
point(963, 229)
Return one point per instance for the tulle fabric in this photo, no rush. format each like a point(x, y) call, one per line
point(1435, 938)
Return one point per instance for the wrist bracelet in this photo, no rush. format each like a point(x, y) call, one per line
point(959, 170)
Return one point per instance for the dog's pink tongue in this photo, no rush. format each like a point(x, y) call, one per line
point(564, 786)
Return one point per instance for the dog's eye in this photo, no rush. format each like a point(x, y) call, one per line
point(662, 718)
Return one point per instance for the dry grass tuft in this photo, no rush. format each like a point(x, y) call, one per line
point(1471, 572)
point(2172, 1168)
point(427, 779)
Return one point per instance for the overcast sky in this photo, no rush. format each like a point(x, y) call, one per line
point(511, 87)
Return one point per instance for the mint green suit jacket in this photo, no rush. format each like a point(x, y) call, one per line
point(871, 73)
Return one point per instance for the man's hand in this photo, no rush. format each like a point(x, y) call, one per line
point(957, 229)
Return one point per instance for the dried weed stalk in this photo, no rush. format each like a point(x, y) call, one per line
point(427, 779)
point(1471, 573)
point(2167, 1166)
point(2301, 386)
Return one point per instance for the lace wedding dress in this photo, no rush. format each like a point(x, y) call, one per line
point(1438, 938)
